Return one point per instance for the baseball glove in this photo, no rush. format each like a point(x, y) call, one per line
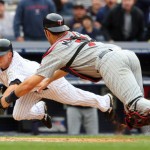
point(135, 120)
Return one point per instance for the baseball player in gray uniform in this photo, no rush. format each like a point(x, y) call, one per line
point(15, 69)
point(80, 55)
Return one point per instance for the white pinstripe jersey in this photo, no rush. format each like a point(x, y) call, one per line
point(19, 68)
point(62, 51)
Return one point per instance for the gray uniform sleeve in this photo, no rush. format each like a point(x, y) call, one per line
point(49, 65)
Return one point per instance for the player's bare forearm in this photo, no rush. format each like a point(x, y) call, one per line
point(21, 90)
point(58, 74)
point(10, 89)
point(26, 86)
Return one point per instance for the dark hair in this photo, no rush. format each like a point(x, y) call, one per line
point(55, 33)
point(78, 4)
point(2, 2)
point(11, 50)
point(87, 17)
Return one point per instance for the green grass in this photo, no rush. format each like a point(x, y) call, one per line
point(139, 143)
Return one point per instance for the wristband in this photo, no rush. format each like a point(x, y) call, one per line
point(11, 97)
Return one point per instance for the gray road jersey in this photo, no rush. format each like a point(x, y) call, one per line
point(62, 51)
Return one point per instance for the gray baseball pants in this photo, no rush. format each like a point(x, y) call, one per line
point(121, 72)
point(88, 117)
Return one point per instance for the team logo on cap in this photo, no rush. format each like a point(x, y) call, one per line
point(60, 22)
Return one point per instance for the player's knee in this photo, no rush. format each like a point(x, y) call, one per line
point(16, 117)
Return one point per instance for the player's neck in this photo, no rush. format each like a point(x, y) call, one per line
point(55, 38)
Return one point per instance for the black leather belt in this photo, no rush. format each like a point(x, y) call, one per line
point(105, 52)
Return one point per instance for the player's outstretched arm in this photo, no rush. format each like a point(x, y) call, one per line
point(58, 74)
point(21, 90)
point(26, 86)
point(10, 89)
point(7, 92)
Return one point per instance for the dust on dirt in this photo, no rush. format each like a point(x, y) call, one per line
point(65, 139)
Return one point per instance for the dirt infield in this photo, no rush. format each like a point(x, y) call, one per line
point(80, 140)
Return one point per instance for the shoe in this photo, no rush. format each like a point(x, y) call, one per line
point(47, 119)
point(110, 113)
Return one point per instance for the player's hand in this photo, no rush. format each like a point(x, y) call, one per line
point(2, 109)
point(58, 74)
point(3, 103)
point(43, 85)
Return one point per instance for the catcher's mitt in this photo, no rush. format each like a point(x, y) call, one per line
point(135, 120)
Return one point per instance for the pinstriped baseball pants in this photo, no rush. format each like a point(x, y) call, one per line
point(28, 107)
point(121, 72)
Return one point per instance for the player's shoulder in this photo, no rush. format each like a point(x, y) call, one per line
point(61, 45)
point(63, 42)
point(16, 58)
point(77, 34)
point(16, 55)
point(67, 42)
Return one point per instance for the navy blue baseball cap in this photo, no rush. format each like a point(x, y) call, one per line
point(5, 46)
point(54, 23)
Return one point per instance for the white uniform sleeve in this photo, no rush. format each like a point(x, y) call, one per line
point(12, 75)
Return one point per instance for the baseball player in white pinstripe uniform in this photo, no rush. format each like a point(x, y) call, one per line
point(15, 69)
point(79, 55)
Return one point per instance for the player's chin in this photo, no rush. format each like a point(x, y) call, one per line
point(1, 66)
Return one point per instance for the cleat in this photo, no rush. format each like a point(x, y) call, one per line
point(110, 113)
point(47, 119)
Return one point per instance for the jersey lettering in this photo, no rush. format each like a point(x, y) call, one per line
point(66, 42)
